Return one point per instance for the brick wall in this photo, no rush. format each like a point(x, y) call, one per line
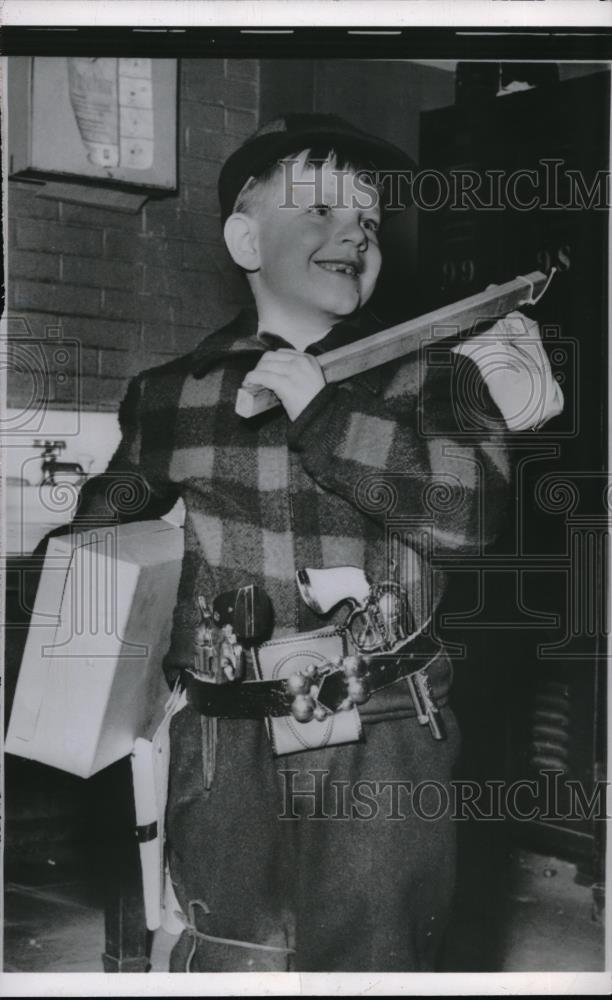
point(133, 290)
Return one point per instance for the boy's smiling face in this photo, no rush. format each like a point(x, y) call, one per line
point(316, 231)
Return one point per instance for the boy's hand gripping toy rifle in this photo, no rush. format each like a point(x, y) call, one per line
point(406, 338)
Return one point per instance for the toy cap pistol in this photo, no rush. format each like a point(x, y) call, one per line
point(380, 616)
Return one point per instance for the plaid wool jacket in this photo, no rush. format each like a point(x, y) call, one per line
point(382, 466)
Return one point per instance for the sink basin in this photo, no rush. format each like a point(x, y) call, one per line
point(32, 511)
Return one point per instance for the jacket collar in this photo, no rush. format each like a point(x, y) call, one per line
point(239, 338)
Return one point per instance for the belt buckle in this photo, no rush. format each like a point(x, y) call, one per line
point(307, 662)
point(345, 685)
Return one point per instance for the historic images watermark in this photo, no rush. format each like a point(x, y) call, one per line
point(549, 186)
point(547, 797)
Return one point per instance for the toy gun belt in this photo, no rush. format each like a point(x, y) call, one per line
point(258, 699)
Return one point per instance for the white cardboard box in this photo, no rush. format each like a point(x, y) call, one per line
point(91, 680)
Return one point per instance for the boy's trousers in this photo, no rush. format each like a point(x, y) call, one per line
point(351, 876)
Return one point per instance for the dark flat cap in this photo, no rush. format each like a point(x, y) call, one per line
point(292, 133)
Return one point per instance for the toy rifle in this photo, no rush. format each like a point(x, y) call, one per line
point(406, 338)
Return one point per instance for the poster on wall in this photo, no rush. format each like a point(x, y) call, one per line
point(102, 119)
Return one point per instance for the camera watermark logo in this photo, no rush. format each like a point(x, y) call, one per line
point(40, 373)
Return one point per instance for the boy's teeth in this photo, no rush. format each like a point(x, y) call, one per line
point(345, 268)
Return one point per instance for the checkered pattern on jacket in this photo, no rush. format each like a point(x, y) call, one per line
point(377, 467)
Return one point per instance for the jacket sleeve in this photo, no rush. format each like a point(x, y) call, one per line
point(124, 492)
point(425, 453)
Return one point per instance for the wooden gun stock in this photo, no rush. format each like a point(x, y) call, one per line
point(406, 338)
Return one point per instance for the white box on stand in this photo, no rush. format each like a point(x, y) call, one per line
point(91, 680)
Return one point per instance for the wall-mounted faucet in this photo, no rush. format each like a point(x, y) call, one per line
point(50, 464)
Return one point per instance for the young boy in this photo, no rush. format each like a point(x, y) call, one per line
point(270, 874)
